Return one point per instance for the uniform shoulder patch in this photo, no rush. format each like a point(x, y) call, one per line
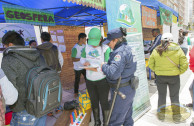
point(117, 58)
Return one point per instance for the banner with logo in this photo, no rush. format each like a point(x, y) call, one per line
point(149, 17)
point(126, 13)
point(19, 14)
point(165, 16)
point(26, 31)
point(98, 4)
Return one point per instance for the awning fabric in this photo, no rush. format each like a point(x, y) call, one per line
point(72, 14)
point(66, 13)
point(155, 4)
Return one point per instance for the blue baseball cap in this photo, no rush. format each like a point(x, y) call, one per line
point(113, 34)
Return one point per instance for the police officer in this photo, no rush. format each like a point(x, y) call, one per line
point(120, 64)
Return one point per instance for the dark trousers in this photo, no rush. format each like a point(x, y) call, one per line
point(191, 90)
point(123, 108)
point(185, 50)
point(173, 82)
point(98, 91)
point(77, 78)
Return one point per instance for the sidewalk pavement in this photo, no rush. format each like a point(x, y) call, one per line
point(150, 118)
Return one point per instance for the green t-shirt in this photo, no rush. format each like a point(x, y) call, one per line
point(74, 52)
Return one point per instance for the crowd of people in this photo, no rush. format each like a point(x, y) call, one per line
point(107, 66)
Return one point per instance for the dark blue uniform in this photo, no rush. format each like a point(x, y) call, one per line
point(121, 64)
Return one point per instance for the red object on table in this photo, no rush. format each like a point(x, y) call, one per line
point(71, 117)
point(8, 117)
point(75, 113)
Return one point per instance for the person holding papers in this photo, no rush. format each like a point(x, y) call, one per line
point(93, 55)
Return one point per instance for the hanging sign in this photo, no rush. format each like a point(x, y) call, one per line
point(18, 14)
point(174, 19)
point(165, 16)
point(98, 4)
point(149, 17)
point(180, 22)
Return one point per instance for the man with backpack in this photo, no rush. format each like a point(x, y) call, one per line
point(50, 52)
point(16, 69)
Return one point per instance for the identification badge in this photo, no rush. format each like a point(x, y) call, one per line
point(117, 58)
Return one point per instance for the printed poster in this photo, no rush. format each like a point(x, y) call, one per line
point(26, 31)
point(62, 48)
point(54, 38)
point(149, 17)
point(126, 13)
point(60, 31)
point(60, 39)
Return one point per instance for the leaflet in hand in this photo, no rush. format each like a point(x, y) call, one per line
point(83, 67)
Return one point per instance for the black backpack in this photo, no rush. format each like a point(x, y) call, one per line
point(44, 90)
point(51, 57)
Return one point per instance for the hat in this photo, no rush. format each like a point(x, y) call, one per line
point(167, 37)
point(94, 37)
point(113, 34)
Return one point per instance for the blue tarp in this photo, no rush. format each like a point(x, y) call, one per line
point(155, 4)
point(71, 14)
point(66, 13)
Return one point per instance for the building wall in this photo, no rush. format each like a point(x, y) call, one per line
point(70, 34)
point(191, 9)
point(186, 13)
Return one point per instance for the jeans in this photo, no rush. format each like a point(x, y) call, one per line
point(77, 79)
point(185, 50)
point(24, 119)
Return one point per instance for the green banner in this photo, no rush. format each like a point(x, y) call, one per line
point(165, 16)
point(98, 4)
point(18, 14)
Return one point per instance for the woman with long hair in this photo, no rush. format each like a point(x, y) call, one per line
point(168, 61)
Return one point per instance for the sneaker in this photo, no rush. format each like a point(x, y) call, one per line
point(161, 116)
point(177, 119)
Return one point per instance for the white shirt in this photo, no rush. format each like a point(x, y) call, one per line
point(185, 43)
point(10, 93)
point(95, 56)
point(79, 49)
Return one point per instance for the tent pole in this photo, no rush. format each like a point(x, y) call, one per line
point(100, 27)
point(40, 27)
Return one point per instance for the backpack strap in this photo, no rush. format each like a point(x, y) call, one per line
point(173, 62)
